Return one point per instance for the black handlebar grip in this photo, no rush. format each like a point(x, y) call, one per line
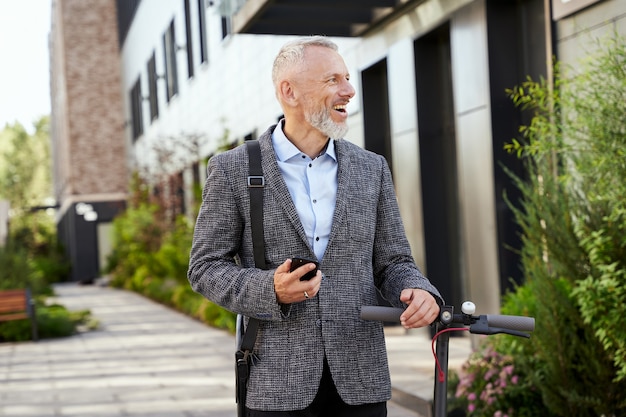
point(381, 313)
point(520, 323)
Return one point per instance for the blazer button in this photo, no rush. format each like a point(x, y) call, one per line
point(318, 323)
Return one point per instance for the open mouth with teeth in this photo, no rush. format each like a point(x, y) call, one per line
point(340, 108)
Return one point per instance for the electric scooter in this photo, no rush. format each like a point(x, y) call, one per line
point(447, 322)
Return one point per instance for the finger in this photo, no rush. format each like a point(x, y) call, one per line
point(412, 314)
point(315, 284)
point(409, 297)
point(420, 311)
point(406, 295)
point(284, 267)
point(425, 315)
point(303, 270)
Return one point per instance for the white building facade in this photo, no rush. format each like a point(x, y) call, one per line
point(430, 77)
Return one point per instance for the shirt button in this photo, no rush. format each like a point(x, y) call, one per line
point(310, 165)
point(317, 239)
point(314, 201)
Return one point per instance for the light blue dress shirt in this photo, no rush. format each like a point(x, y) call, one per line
point(312, 184)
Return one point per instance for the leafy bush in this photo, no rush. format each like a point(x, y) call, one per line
point(53, 321)
point(137, 236)
point(151, 257)
point(17, 270)
point(492, 385)
point(572, 217)
point(56, 321)
point(32, 257)
point(589, 140)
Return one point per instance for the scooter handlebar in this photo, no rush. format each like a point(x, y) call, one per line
point(481, 324)
point(381, 313)
point(518, 323)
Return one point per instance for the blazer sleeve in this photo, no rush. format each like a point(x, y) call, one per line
point(394, 265)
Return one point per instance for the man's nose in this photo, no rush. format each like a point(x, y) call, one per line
point(347, 89)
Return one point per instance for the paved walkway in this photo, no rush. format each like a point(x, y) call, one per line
point(148, 360)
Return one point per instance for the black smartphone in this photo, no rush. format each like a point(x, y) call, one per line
point(298, 262)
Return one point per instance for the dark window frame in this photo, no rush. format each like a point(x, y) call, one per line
point(226, 26)
point(202, 28)
point(189, 38)
point(136, 107)
point(153, 88)
point(169, 56)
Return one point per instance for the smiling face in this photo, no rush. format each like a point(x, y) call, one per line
point(316, 90)
point(322, 86)
point(324, 90)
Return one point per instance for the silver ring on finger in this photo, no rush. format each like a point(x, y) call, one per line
point(306, 295)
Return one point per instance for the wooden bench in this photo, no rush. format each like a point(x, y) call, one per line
point(18, 305)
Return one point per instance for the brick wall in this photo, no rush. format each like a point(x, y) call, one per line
point(91, 127)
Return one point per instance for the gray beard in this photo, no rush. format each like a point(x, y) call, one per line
point(321, 121)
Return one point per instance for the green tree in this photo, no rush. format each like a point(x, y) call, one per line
point(573, 216)
point(25, 166)
point(153, 237)
point(32, 257)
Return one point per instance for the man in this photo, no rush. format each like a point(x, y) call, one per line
point(326, 199)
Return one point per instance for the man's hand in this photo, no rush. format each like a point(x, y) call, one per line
point(422, 308)
point(288, 287)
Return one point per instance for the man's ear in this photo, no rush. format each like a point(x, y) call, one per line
point(287, 93)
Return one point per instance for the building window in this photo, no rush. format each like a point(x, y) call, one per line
point(136, 102)
point(189, 45)
point(204, 54)
point(171, 70)
point(125, 13)
point(226, 27)
point(152, 88)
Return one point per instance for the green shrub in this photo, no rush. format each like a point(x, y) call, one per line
point(187, 301)
point(32, 257)
point(490, 384)
point(17, 269)
point(572, 221)
point(173, 254)
point(572, 217)
point(137, 236)
point(151, 257)
point(53, 321)
point(215, 315)
point(15, 331)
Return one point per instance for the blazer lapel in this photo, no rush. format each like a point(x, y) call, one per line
point(343, 181)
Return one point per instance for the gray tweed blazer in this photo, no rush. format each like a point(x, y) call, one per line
point(367, 250)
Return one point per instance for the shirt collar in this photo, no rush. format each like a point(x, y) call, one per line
point(286, 150)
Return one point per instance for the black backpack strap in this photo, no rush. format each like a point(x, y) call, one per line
point(256, 183)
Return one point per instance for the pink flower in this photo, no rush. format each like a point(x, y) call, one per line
point(471, 408)
point(471, 396)
point(514, 379)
